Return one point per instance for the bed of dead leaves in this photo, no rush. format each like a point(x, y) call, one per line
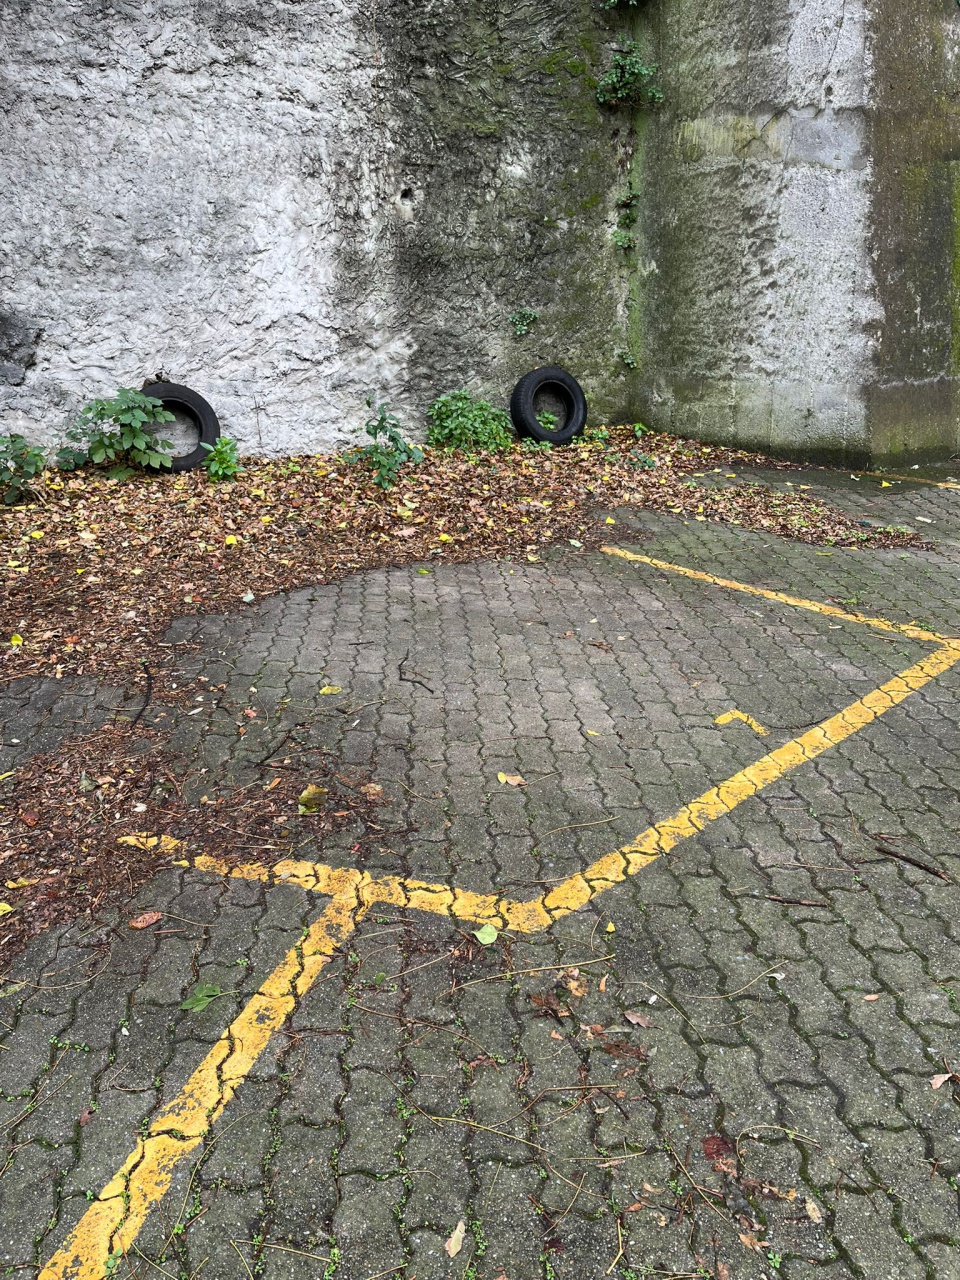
point(97, 568)
point(83, 828)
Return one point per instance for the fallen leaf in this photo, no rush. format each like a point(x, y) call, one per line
point(576, 985)
point(454, 1243)
point(23, 883)
point(549, 1005)
point(555, 1035)
point(372, 790)
point(621, 1049)
point(331, 688)
point(16, 640)
point(611, 927)
point(937, 1081)
point(86, 1114)
point(716, 1146)
point(638, 1019)
point(5, 908)
point(29, 819)
point(512, 779)
point(750, 1241)
point(201, 997)
point(813, 1211)
point(870, 999)
point(486, 934)
point(145, 920)
point(723, 1271)
point(602, 986)
point(311, 798)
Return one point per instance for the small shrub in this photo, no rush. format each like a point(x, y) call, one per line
point(222, 461)
point(522, 319)
point(548, 421)
point(20, 463)
point(389, 451)
point(631, 81)
point(458, 421)
point(117, 431)
point(596, 435)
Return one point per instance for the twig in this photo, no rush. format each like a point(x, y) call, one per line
point(914, 862)
point(730, 994)
point(411, 679)
point(242, 1259)
point(511, 973)
point(619, 1250)
point(796, 902)
point(670, 1003)
point(148, 695)
point(574, 826)
point(285, 1248)
point(701, 1192)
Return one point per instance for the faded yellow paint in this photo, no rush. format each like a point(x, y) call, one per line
point(111, 1224)
point(729, 716)
point(113, 1221)
point(796, 602)
point(935, 484)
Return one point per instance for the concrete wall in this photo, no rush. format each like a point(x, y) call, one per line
point(286, 205)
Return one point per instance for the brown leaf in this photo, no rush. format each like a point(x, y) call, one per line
point(638, 1019)
point(621, 1049)
point(549, 1005)
point(723, 1271)
point(512, 779)
point(937, 1081)
point(85, 1115)
point(454, 1243)
point(145, 920)
point(603, 983)
point(715, 1145)
point(813, 1211)
point(870, 999)
point(29, 819)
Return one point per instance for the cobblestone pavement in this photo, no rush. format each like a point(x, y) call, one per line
point(735, 1082)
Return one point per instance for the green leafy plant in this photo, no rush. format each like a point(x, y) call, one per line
point(596, 435)
point(622, 239)
point(458, 421)
point(118, 431)
point(20, 464)
point(631, 80)
point(389, 451)
point(522, 319)
point(548, 421)
point(223, 460)
point(628, 358)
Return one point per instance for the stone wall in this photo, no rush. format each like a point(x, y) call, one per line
point(289, 203)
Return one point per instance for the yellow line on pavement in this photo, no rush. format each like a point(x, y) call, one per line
point(110, 1226)
point(729, 716)
point(797, 602)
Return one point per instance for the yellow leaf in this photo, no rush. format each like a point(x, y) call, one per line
point(512, 779)
point(16, 640)
point(593, 733)
point(230, 540)
point(444, 537)
point(5, 908)
point(331, 688)
point(311, 798)
point(609, 520)
point(20, 884)
point(885, 484)
point(37, 533)
point(5, 776)
point(265, 519)
point(455, 1242)
point(611, 927)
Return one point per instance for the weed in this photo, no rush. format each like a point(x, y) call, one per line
point(222, 461)
point(389, 451)
point(458, 421)
point(631, 80)
point(19, 464)
point(623, 239)
point(118, 431)
point(521, 320)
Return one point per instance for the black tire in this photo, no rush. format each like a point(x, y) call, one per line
point(559, 383)
point(173, 396)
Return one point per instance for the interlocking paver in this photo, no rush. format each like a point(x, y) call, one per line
point(398, 1100)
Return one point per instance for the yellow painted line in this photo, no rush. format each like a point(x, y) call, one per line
point(796, 602)
point(885, 475)
point(111, 1224)
point(729, 716)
